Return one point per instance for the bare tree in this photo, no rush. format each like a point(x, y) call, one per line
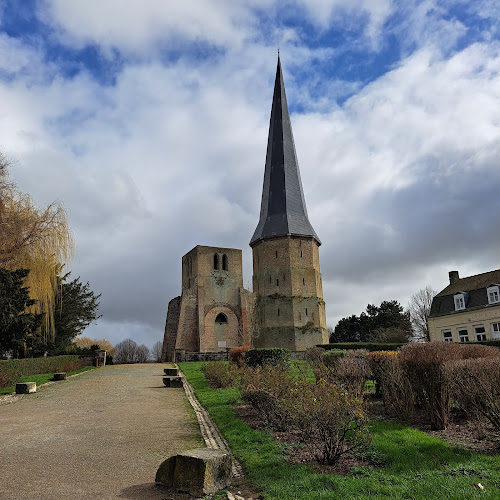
point(156, 351)
point(142, 354)
point(126, 352)
point(420, 309)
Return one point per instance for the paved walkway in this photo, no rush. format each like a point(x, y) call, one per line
point(99, 435)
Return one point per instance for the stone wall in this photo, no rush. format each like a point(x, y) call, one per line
point(171, 326)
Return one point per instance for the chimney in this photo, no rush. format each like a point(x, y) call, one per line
point(453, 277)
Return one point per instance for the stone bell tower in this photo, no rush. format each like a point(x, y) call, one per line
point(290, 310)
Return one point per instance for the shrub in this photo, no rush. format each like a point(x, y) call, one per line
point(392, 382)
point(348, 368)
point(423, 365)
point(266, 388)
point(314, 354)
point(237, 355)
point(475, 386)
point(261, 357)
point(330, 418)
point(220, 374)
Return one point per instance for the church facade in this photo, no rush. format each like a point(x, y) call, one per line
point(286, 309)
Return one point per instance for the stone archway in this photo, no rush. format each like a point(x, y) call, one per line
point(221, 330)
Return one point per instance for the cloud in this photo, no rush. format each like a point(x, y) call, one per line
point(399, 166)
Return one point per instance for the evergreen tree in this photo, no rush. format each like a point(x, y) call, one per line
point(387, 323)
point(76, 309)
point(17, 326)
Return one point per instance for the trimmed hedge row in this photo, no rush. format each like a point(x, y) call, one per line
point(369, 346)
point(12, 370)
point(493, 343)
point(261, 357)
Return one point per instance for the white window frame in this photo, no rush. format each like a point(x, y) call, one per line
point(495, 333)
point(446, 337)
point(493, 294)
point(481, 336)
point(459, 300)
point(463, 337)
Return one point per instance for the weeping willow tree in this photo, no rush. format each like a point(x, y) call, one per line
point(38, 239)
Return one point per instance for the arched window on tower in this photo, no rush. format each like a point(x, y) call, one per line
point(221, 318)
point(224, 262)
point(216, 261)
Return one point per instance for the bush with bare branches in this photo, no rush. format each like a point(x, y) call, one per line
point(393, 383)
point(475, 386)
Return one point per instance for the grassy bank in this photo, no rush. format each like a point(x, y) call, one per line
point(41, 378)
point(409, 463)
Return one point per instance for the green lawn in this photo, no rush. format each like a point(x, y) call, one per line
point(410, 464)
point(41, 378)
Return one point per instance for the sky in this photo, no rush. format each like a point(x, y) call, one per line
point(148, 121)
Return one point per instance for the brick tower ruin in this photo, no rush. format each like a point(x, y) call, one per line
point(290, 309)
point(211, 315)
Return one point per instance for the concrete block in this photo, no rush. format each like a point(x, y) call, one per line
point(172, 381)
point(172, 372)
point(25, 387)
point(199, 472)
point(60, 376)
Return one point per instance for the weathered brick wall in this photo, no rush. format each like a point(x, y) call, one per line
point(171, 325)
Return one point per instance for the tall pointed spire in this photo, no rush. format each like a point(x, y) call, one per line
point(283, 208)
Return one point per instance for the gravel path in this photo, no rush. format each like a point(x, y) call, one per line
point(99, 435)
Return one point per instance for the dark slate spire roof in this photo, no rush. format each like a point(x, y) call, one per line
point(283, 208)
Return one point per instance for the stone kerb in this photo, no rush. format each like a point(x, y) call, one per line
point(25, 387)
point(202, 471)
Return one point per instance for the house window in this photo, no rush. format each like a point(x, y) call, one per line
point(224, 262)
point(493, 294)
point(216, 261)
point(495, 330)
point(480, 333)
point(463, 335)
point(300, 316)
point(306, 311)
point(270, 279)
point(303, 281)
point(278, 311)
point(276, 253)
point(459, 301)
point(277, 282)
point(301, 254)
point(447, 337)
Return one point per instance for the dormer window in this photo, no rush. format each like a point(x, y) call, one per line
point(493, 294)
point(459, 301)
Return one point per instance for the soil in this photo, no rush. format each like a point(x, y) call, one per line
point(102, 434)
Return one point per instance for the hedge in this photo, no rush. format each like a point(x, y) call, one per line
point(370, 346)
point(271, 356)
point(12, 370)
point(494, 343)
